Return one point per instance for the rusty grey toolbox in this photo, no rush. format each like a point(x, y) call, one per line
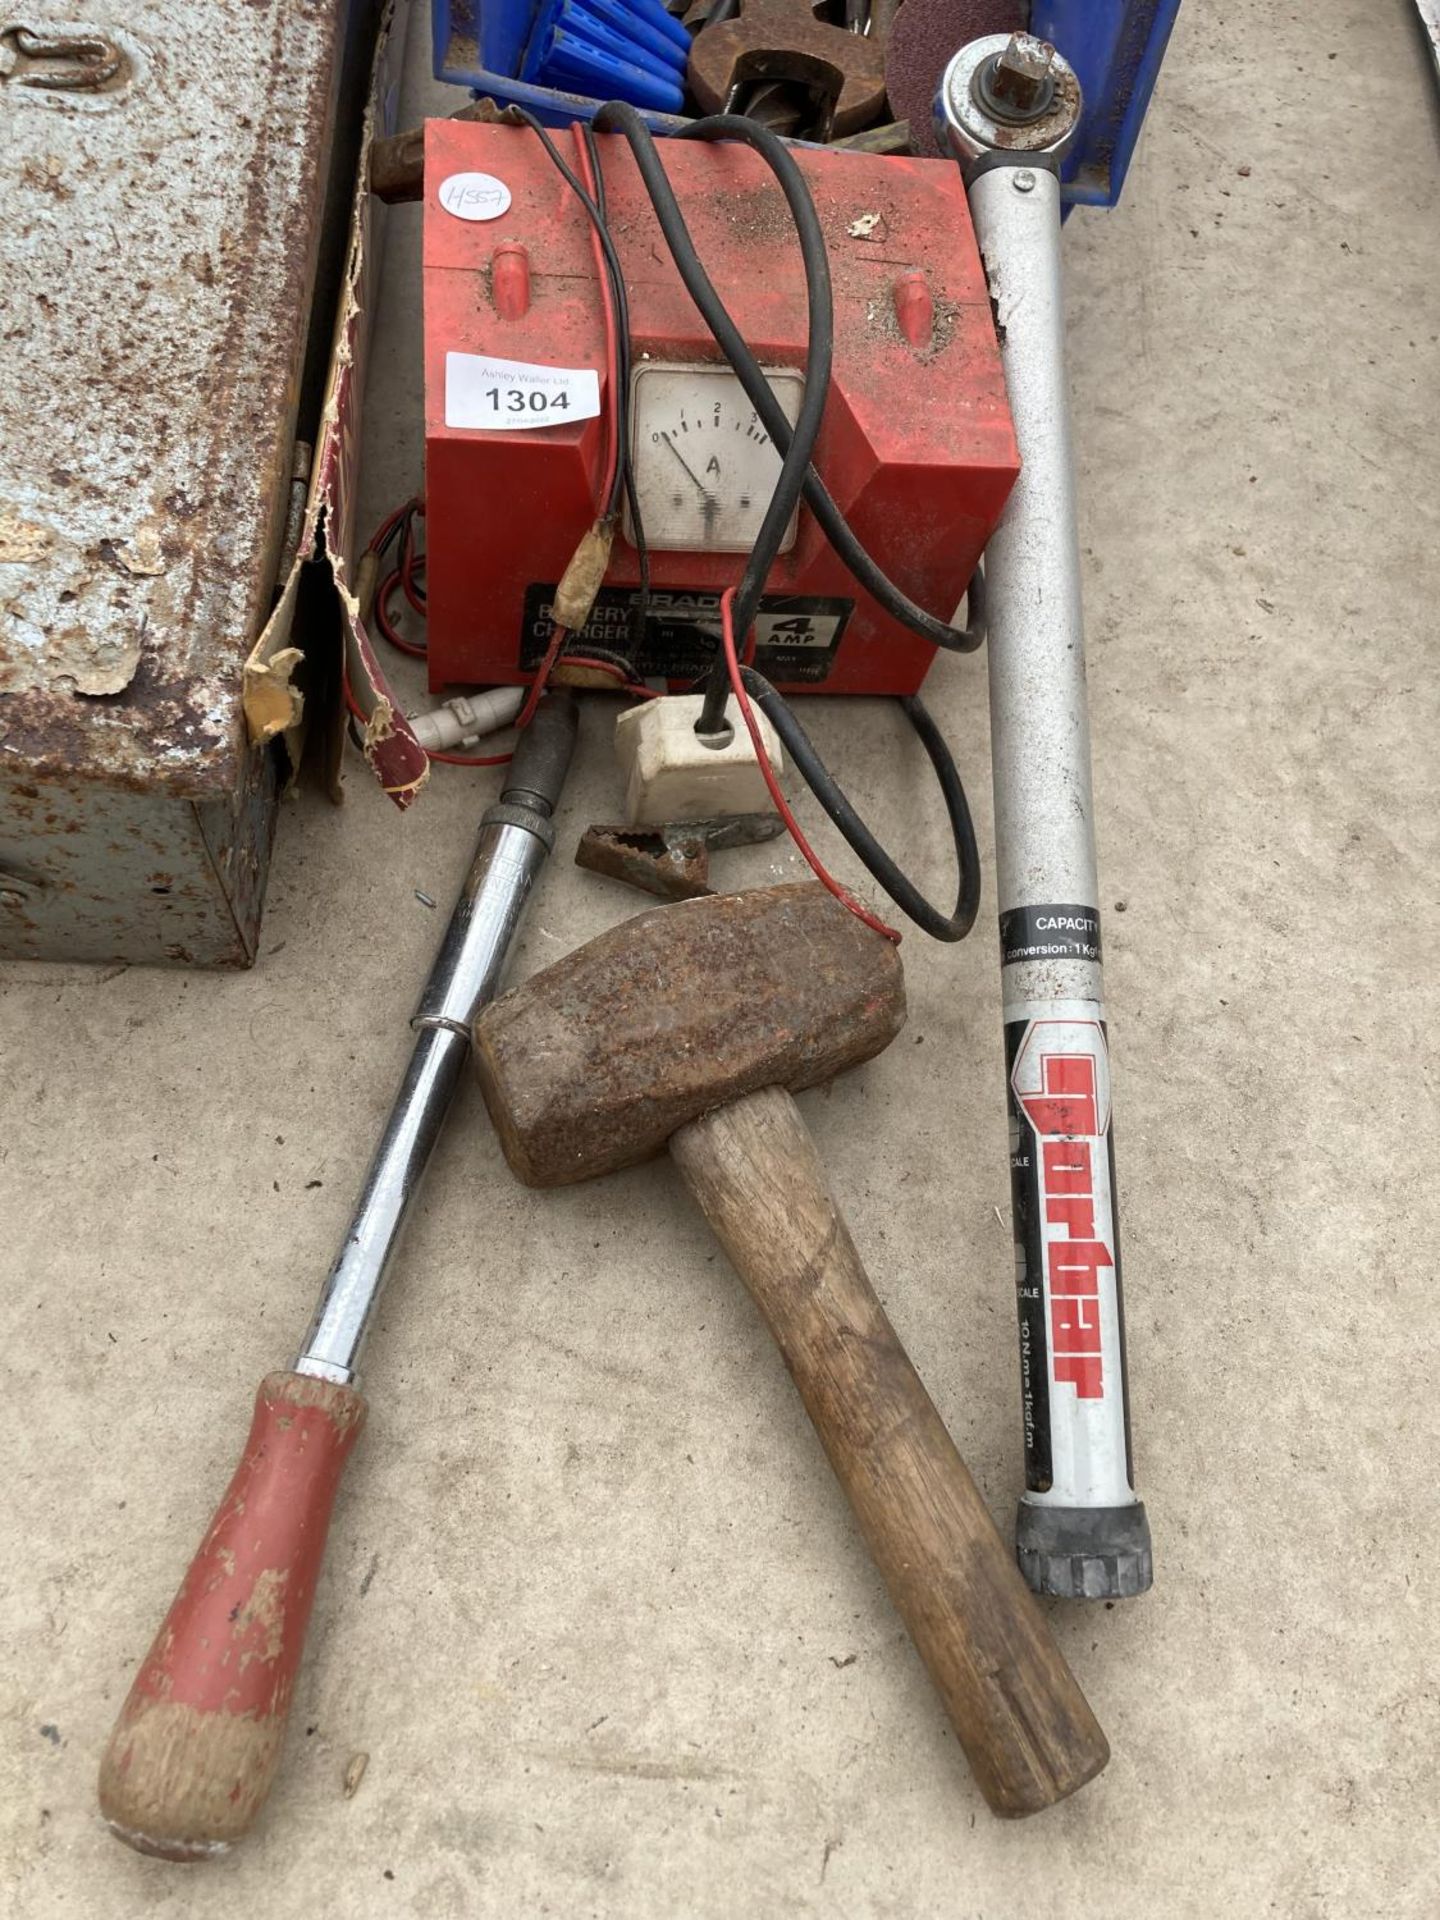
point(179, 181)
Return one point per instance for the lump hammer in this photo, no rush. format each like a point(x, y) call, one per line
point(689, 1027)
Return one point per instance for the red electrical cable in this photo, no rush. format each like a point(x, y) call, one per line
point(752, 727)
point(412, 565)
point(405, 574)
point(616, 673)
point(391, 520)
point(612, 344)
point(469, 760)
point(558, 637)
point(383, 620)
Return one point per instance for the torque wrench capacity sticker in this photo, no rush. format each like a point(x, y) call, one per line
point(510, 396)
point(1049, 933)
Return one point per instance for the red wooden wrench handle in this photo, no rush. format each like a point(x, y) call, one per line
point(199, 1737)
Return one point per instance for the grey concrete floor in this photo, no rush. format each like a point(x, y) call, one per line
point(594, 1606)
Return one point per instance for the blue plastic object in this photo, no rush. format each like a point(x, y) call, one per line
point(1115, 47)
point(615, 49)
point(561, 59)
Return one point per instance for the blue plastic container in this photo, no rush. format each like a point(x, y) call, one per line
point(561, 59)
point(608, 48)
point(496, 47)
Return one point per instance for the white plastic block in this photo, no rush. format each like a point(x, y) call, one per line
point(670, 772)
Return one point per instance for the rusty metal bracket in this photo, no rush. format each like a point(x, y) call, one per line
point(397, 165)
point(300, 470)
point(783, 40)
point(672, 862)
point(61, 59)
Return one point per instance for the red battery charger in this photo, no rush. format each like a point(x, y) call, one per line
point(916, 447)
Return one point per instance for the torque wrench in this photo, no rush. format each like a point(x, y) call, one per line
point(1008, 108)
point(198, 1740)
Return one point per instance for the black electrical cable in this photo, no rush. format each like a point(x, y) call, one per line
point(618, 297)
point(624, 354)
point(797, 446)
point(820, 351)
point(623, 119)
point(817, 776)
point(821, 782)
point(640, 612)
point(797, 456)
point(582, 650)
point(596, 211)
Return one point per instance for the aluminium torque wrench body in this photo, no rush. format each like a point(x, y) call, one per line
point(1008, 107)
point(198, 1740)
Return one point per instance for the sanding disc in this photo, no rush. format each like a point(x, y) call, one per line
point(925, 34)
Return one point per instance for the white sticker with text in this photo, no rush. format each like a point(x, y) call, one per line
point(513, 394)
point(474, 196)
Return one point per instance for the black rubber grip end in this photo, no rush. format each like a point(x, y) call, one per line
point(1085, 1553)
point(542, 755)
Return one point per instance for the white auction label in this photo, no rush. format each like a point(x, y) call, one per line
point(474, 196)
point(512, 394)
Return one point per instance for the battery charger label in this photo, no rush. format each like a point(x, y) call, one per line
point(796, 635)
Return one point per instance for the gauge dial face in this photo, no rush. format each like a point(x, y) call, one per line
point(704, 466)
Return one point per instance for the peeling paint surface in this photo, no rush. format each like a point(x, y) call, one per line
point(155, 263)
point(157, 272)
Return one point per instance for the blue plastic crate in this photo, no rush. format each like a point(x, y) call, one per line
point(1115, 46)
point(482, 46)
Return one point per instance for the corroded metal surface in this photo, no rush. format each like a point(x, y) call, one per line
point(397, 165)
point(166, 168)
point(90, 872)
point(671, 861)
point(595, 1062)
point(785, 40)
point(155, 261)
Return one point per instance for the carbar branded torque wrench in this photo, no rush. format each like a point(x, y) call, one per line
point(199, 1737)
point(1008, 108)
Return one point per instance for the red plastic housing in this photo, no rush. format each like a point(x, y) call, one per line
point(916, 447)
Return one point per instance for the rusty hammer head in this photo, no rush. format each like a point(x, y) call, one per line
point(594, 1063)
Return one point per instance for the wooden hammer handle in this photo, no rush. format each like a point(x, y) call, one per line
point(198, 1739)
point(1026, 1728)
